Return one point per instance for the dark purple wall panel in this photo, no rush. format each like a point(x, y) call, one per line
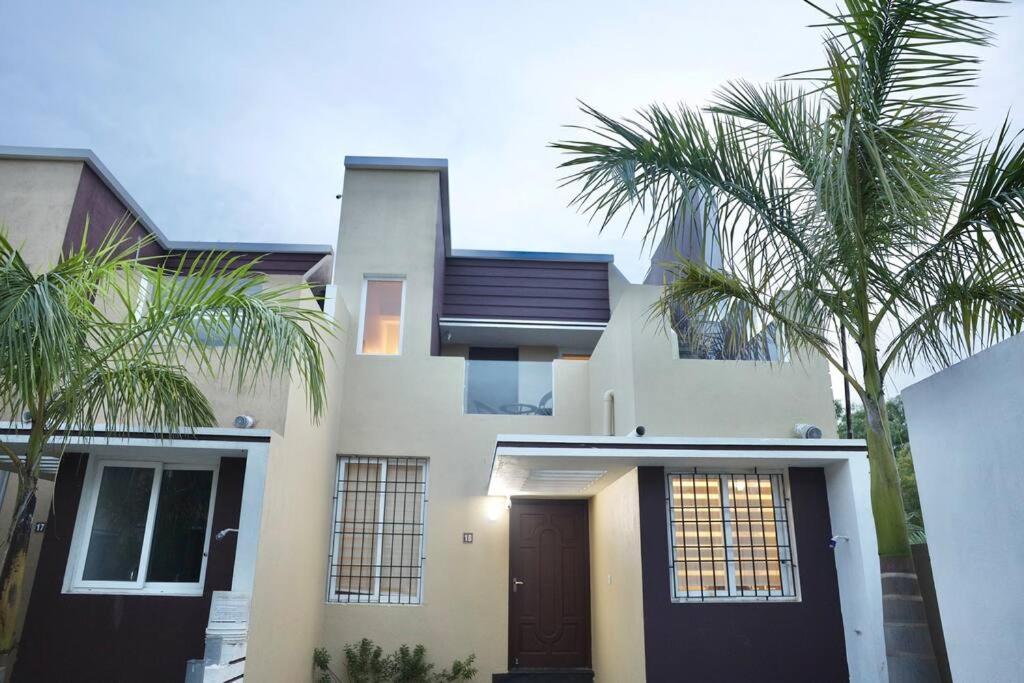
point(754, 641)
point(118, 638)
point(526, 289)
point(437, 301)
point(98, 203)
point(290, 263)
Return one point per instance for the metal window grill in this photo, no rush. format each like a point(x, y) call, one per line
point(377, 546)
point(730, 536)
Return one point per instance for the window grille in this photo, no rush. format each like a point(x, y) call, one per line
point(377, 548)
point(730, 537)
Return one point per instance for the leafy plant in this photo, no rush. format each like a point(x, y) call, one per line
point(462, 670)
point(366, 663)
point(322, 667)
point(411, 665)
point(844, 200)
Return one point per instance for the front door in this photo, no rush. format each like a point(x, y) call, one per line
point(549, 591)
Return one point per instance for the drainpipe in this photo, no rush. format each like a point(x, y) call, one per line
point(609, 413)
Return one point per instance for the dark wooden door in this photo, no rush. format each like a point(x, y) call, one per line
point(549, 591)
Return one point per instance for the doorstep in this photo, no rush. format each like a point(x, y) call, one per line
point(545, 676)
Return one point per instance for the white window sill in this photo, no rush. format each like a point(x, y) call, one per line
point(166, 592)
point(751, 600)
point(374, 604)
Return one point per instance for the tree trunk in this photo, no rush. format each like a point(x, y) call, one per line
point(909, 653)
point(886, 497)
point(13, 577)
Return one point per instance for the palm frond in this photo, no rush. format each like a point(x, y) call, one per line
point(905, 51)
point(131, 393)
point(107, 335)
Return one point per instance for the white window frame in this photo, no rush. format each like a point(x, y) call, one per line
point(73, 581)
point(374, 597)
point(782, 530)
point(362, 314)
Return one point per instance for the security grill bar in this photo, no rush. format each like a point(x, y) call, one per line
point(729, 536)
point(377, 546)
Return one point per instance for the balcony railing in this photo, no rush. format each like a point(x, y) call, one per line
point(508, 387)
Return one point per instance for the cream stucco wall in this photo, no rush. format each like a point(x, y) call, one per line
point(35, 206)
point(288, 585)
point(637, 358)
point(616, 583)
point(268, 402)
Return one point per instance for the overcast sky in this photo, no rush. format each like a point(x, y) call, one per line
point(229, 120)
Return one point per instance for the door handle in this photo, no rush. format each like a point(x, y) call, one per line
point(516, 583)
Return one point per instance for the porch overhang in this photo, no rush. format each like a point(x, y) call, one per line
point(103, 437)
point(581, 466)
point(570, 334)
point(112, 441)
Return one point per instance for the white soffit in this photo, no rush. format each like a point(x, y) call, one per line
point(581, 466)
point(488, 332)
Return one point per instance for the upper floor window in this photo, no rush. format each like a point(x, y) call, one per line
point(143, 527)
point(730, 537)
point(380, 327)
point(722, 340)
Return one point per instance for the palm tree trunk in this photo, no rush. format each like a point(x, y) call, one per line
point(886, 497)
point(13, 576)
point(910, 655)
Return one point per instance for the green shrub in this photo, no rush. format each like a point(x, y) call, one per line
point(411, 666)
point(462, 670)
point(322, 666)
point(365, 663)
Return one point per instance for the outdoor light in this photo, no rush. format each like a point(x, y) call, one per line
point(741, 485)
point(244, 422)
point(494, 509)
point(834, 541)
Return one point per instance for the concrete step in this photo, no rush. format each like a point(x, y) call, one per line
point(905, 668)
point(904, 609)
point(545, 676)
point(911, 639)
point(899, 583)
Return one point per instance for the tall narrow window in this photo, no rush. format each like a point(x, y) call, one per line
point(381, 322)
point(730, 537)
point(377, 550)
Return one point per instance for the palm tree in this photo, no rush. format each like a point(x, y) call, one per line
point(104, 336)
point(845, 200)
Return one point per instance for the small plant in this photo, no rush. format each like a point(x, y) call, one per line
point(462, 670)
point(366, 663)
point(411, 666)
point(322, 667)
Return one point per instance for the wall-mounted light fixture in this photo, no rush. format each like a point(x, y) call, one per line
point(244, 421)
point(495, 508)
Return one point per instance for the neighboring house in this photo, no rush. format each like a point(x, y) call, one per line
point(966, 425)
point(479, 484)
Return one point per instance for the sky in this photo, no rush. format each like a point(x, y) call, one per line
point(230, 120)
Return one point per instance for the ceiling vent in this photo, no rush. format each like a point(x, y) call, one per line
point(561, 481)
